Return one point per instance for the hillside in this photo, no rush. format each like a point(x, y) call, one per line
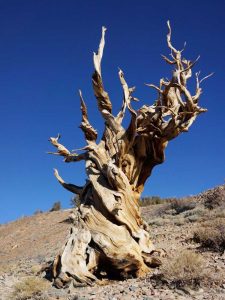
point(191, 230)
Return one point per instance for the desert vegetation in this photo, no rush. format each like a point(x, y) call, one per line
point(56, 206)
point(211, 234)
point(215, 199)
point(187, 268)
point(29, 287)
point(192, 268)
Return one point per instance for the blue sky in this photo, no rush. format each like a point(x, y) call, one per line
point(46, 56)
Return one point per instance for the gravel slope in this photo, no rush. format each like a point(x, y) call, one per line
point(31, 241)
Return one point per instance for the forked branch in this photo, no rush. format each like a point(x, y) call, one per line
point(63, 151)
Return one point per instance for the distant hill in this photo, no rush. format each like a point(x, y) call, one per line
point(29, 242)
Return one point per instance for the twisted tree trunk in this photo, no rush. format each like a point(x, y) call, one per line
point(109, 234)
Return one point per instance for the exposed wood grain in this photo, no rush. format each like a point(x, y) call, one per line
point(109, 229)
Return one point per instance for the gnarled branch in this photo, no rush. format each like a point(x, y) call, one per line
point(89, 131)
point(101, 95)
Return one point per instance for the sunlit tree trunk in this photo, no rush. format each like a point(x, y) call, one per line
point(109, 233)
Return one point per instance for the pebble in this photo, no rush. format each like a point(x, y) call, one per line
point(132, 288)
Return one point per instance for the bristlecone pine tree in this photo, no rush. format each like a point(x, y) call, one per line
point(108, 235)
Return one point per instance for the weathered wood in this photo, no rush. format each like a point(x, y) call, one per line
point(109, 233)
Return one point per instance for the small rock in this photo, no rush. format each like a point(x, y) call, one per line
point(93, 293)
point(132, 288)
point(200, 291)
point(223, 255)
point(180, 292)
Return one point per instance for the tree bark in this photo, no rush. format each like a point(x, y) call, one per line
point(109, 233)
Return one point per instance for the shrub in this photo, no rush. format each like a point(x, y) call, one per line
point(38, 211)
point(153, 200)
point(219, 213)
point(197, 211)
point(187, 268)
point(163, 210)
point(56, 206)
point(196, 214)
point(193, 218)
point(145, 201)
point(159, 221)
point(182, 205)
point(211, 235)
point(29, 288)
point(214, 198)
point(75, 201)
point(179, 221)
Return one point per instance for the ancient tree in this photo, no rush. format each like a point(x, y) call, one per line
point(108, 233)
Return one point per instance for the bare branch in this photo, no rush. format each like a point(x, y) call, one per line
point(111, 121)
point(76, 157)
point(183, 47)
point(98, 57)
point(191, 65)
point(100, 94)
point(120, 115)
point(127, 93)
point(169, 109)
point(89, 131)
point(206, 77)
point(62, 150)
point(171, 62)
point(198, 89)
point(127, 97)
point(169, 42)
point(154, 87)
point(70, 187)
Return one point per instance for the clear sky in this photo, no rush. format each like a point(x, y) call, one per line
point(46, 56)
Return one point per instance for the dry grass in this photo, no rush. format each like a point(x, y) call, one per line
point(7, 268)
point(187, 268)
point(211, 235)
point(29, 288)
point(35, 269)
point(218, 213)
point(152, 200)
point(159, 221)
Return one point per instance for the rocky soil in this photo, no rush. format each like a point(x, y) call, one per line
point(28, 243)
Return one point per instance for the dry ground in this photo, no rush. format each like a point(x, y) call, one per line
point(29, 242)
